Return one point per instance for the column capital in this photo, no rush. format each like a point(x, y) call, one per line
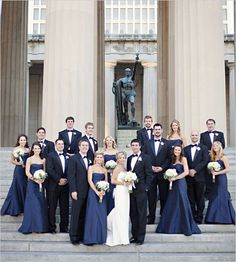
point(146, 64)
point(110, 64)
point(230, 65)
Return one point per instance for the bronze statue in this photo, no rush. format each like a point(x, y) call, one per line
point(124, 91)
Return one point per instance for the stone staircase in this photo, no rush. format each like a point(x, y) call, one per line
point(216, 243)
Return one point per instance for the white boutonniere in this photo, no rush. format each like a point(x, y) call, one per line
point(95, 142)
point(140, 159)
point(162, 143)
point(198, 148)
point(90, 162)
point(74, 133)
point(216, 134)
point(67, 157)
point(44, 145)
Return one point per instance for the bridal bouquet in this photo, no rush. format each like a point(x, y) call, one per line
point(18, 153)
point(170, 173)
point(110, 165)
point(214, 166)
point(130, 177)
point(40, 175)
point(102, 186)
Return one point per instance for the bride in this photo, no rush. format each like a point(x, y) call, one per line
point(118, 219)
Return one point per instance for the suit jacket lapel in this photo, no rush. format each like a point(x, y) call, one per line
point(82, 162)
point(153, 146)
point(59, 160)
point(160, 147)
point(196, 153)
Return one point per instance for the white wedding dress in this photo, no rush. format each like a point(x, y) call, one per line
point(118, 218)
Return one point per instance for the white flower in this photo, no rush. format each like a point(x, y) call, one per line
point(170, 173)
point(140, 159)
point(67, 157)
point(162, 143)
point(40, 174)
point(198, 148)
point(215, 166)
point(129, 177)
point(74, 133)
point(18, 152)
point(102, 186)
point(111, 164)
point(216, 134)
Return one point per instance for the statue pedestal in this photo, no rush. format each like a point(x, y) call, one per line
point(124, 137)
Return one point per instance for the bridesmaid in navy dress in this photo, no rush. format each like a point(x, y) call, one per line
point(95, 230)
point(35, 212)
point(220, 209)
point(177, 216)
point(15, 201)
point(175, 136)
point(110, 152)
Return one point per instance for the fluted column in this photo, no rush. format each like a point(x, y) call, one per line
point(110, 112)
point(14, 15)
point(70, 67)
point(150, 89)
point(232, 105)
point(196, 88)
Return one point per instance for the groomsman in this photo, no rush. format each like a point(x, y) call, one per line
point(158, 149)
point(207, 138)
point(46, 145)
point(78, 186)
point(145, 133)
point(140, 164)
point(93, 144)
point(197, 158)
point(70, 136)
point(57, 187)
point(211, 135)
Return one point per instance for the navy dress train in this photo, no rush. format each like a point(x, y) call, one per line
point(177, 216)
point(220, 209)
point(35, 212)
point(109, 195)
point(95, 229)
point(15, 200)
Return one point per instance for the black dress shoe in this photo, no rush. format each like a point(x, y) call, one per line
point(132, 240)
point(53, 231)
point(150, 222)
point(63, 231)
point(139, 243)
point(74, 242)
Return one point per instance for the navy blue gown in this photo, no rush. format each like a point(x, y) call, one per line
point(109, 195)
point(177, 216)
point(95, 229)
point(35, 212)
point(174, 142)
point(220, 209)
point(15, 200)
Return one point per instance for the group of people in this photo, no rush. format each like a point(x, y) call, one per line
point(74, 167)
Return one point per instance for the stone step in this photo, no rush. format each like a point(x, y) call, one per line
point(180, 247)
point(205, 228)
point(150, 237)
point(116, 257)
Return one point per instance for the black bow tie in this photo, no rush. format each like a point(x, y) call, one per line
point(149, 129)
point(40, 142)
point(193, 145)
point(69, 130)
point(157, 140)
point(90, 137)
point(211, 132)
point(60, 154)
point(85, 157)
point(135, 155)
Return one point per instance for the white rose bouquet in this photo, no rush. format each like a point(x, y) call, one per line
point(214, 166)
point(40, 175)
point(130, 177)
point(170, 173)
point(110, 165)
point(18, 153)
point(102, 186)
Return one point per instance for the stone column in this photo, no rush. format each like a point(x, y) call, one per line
point(150, 90)
point(14, 15)
point(196, 86)
point(110, 111)
point(232, 105)
point(70, 66)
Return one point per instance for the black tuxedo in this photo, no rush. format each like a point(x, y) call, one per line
point(206, 140)
point(196, 184)
point(142, 136)
point(162, 159)
point(70, 147)
point(91, 153)
point(56, 192)
point(138, 199)
point(47, 147)
point(78, 182)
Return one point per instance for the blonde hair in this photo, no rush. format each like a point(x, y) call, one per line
point(98, 153)
point(113, 142)
point(121, 153)
point(171, 129)
point(213, 153)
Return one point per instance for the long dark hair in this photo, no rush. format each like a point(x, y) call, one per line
point(18, 139)
point(32, 152)
point(173, 156)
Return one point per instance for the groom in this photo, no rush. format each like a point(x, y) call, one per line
point(140, 164)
